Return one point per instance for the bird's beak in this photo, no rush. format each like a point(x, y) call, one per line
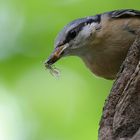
point(56, 54)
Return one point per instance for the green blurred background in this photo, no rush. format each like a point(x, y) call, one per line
point(33, 104)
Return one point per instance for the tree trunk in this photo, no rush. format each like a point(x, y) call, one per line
point(121, 113)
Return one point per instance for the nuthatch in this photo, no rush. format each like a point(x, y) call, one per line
point(102, 41)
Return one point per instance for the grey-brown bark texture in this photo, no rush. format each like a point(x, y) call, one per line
point(121, 113)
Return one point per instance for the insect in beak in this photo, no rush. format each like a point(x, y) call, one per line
point(54, 57)
point(56, 54)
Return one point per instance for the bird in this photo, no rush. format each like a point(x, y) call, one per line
point(101, 41)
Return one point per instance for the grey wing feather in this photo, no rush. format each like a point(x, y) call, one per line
point(124, 13)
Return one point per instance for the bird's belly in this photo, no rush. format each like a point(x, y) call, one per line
point(107, 63)
point(104, 69)
point(110, 46)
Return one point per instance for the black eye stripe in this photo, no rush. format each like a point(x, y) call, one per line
point(96, 19)
point(90, 21)
point(73, 33)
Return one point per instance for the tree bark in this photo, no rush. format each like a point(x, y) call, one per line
point(121, 113)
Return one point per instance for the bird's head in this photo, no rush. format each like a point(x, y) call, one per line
point(74, 38)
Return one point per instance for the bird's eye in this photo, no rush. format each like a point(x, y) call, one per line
point(72, 34)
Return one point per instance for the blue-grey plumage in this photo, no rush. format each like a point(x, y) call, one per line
point(102, 41)
point(76, 25)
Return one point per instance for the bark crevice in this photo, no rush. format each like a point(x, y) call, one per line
point(121, 113)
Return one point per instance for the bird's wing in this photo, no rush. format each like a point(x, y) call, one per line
point(124, 13)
